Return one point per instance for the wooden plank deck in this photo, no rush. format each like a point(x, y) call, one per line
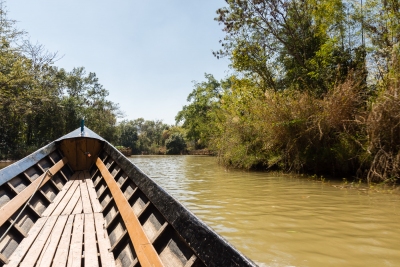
point(70, 233)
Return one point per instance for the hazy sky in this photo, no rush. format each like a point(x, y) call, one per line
point(146, 53)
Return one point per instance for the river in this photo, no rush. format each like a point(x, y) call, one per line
point(284, 220)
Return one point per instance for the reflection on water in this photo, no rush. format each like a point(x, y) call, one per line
point(283, 221)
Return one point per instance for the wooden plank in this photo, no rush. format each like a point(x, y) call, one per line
point(60, 259)
point(90, 242)
point(37, 246)
point(87, 207)
point(49, 250)
point(3, 259)
point(64, 202)
point(26, 243)
point(92, 194)
point(78, 207)
point(57, 199)
point(72, 203)
point(68, 148)
point(81, 157)
point(44, 247)
point(15, 203)
point(145, 251)
point(75, 249)
point(106, 257)
point(93, 146)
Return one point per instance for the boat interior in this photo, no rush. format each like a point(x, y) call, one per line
point(77, 206)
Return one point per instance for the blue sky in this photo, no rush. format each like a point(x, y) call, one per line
point(146, 53)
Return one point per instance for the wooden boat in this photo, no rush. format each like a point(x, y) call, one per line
point(79, 202)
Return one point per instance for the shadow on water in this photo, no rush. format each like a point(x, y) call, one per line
point(283, 220)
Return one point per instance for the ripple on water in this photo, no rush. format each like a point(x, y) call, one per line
point(283, 221)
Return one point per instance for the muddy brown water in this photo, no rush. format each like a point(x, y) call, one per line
point(283, 220)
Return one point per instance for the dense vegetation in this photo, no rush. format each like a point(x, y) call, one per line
point(40, 102)
point(315, 88)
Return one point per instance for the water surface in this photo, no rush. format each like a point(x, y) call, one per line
point(284, 220)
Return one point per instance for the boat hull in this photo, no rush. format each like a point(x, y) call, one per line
point(145, 226)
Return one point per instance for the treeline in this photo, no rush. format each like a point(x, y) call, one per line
point(150, 137)
point(315, 88)
point(40, 102)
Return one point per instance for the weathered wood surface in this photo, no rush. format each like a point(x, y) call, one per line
point(21, 250)
point(19, 200)
point(81, 152)
point(145, 251)
point(106, 256)
point(77, 196)
point(69, 234)
point(61, 256)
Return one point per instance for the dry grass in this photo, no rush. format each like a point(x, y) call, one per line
point(383, 128)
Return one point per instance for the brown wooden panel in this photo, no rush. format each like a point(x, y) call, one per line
point(94, 147)
point(68, 148)
point(80, 154)
point(145, 251)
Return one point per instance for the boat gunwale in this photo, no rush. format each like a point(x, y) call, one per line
point(201, 238)
point(14, 169)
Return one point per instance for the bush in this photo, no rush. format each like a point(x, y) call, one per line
point(383, 129)
point(291, 130)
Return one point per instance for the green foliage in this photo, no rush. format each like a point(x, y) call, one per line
point(204, 100)
point(175, 144)
point(300, 45)
point(289, 130)
point(143, 136)
point(128, 135)
point(40, 102)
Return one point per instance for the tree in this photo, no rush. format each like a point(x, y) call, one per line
point(175, 145)
point(286, 43)
point(204, 99)
point(128, 135)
